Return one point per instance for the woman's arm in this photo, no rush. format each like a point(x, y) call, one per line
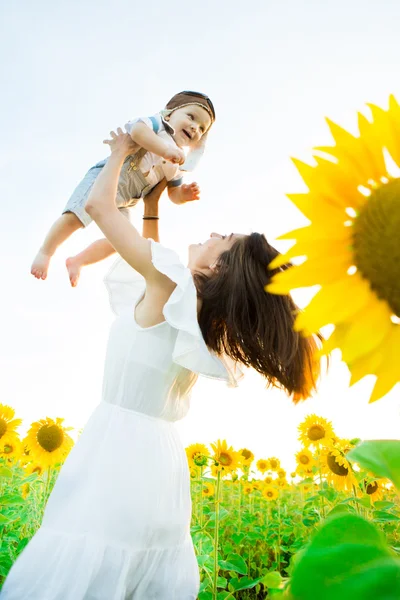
point(101, 206)
point(150, 202)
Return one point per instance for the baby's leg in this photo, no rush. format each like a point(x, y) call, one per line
point(99, 250)
point(59, 232)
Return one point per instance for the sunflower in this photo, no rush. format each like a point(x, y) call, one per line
point(270, 493)
point(247, 487)
point(268, 480)
point(227, 460)
point(257, 485)
point(337, 469)
point(8, 424)
point(305, 461)
point(374, 488)
point(194, 472)
point(208, 489)
point(281, 474)
point(281, 483)
point(11, 450)
point(351, 247)
point(315, 431)
point(34, 468)
point(48, 442)
point(247, 457)
point(262, 465)
point(274, 464)
point(197, 455)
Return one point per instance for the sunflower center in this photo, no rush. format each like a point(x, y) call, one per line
point(376, 243)
point(273, 464)
point(225, 459)
point(50, 437)
point(371, 488)
point(246, 454)
point(8, 449)
point(316, 432)
point(3, 427)
point(270, 494)
point(304, 459)
point(340, 470)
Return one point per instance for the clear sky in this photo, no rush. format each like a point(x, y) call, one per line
point(71, 71)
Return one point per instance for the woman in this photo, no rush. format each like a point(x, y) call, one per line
point(117, 525)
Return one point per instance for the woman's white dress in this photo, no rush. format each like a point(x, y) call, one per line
point(117, 524)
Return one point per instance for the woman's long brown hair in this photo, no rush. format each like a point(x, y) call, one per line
point(240, 319)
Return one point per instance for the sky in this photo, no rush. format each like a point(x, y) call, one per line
point(71, 71)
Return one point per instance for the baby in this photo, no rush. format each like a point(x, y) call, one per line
point(159, 140)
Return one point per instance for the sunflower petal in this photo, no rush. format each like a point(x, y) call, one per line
point(388, 373)
point(368, 329)
point(311, 272)
point(330, 304)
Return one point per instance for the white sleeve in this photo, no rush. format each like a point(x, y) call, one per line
point(153, 123)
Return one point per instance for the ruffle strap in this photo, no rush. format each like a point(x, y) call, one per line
point(125, 286)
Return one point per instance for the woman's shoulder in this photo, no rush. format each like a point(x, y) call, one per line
point(179, 310)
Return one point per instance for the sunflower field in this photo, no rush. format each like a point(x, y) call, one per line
point(329, 528)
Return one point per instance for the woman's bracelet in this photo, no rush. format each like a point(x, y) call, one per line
point(150, 218)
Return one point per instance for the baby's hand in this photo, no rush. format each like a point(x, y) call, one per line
point(174, 155)
point(190, 192)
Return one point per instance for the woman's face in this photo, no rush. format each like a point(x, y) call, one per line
point(203, 257)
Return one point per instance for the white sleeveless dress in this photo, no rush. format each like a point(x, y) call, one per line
point(117, 524)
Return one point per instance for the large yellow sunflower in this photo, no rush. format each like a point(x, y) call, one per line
point(270, 493)
point(197, 455)
point(337, 469)
point(262, 465)
point(48, 442)
point(8, 424)
point(247, 487)
point(11, 450)
point(208, 489)
point(315, 431)
point(227, 459)
point(274, 463)
point(374, 489)
point(305, 460)
point(247, 456)
point(352, 247)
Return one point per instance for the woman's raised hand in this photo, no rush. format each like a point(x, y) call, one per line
point(121, 142)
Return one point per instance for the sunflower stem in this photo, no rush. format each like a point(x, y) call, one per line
point(216, 534)
point(201, 510)
point(278, 553)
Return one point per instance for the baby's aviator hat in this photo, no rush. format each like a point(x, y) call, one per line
point(187, 98)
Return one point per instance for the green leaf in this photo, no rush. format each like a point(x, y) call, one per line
point(347, 559)
point(223, 595)
point(383, 505)
point(341, 509)
point(8, 499)
point(3, 519)
point(222, 582)
point(382, 516)
point(244, 583)
point(5, 472)
point(205, 596)
point(202, 559)
point(237, 538)
point(234, 562)
point(381, 457)
point(272, 580)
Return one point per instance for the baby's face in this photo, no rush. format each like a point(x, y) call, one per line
point(190, 124)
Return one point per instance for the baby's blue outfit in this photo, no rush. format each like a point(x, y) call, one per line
point(140, 173)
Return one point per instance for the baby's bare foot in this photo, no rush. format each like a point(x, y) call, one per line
point(74, 270)
point(40, 265)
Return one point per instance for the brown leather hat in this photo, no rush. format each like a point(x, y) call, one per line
point(185, 98)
